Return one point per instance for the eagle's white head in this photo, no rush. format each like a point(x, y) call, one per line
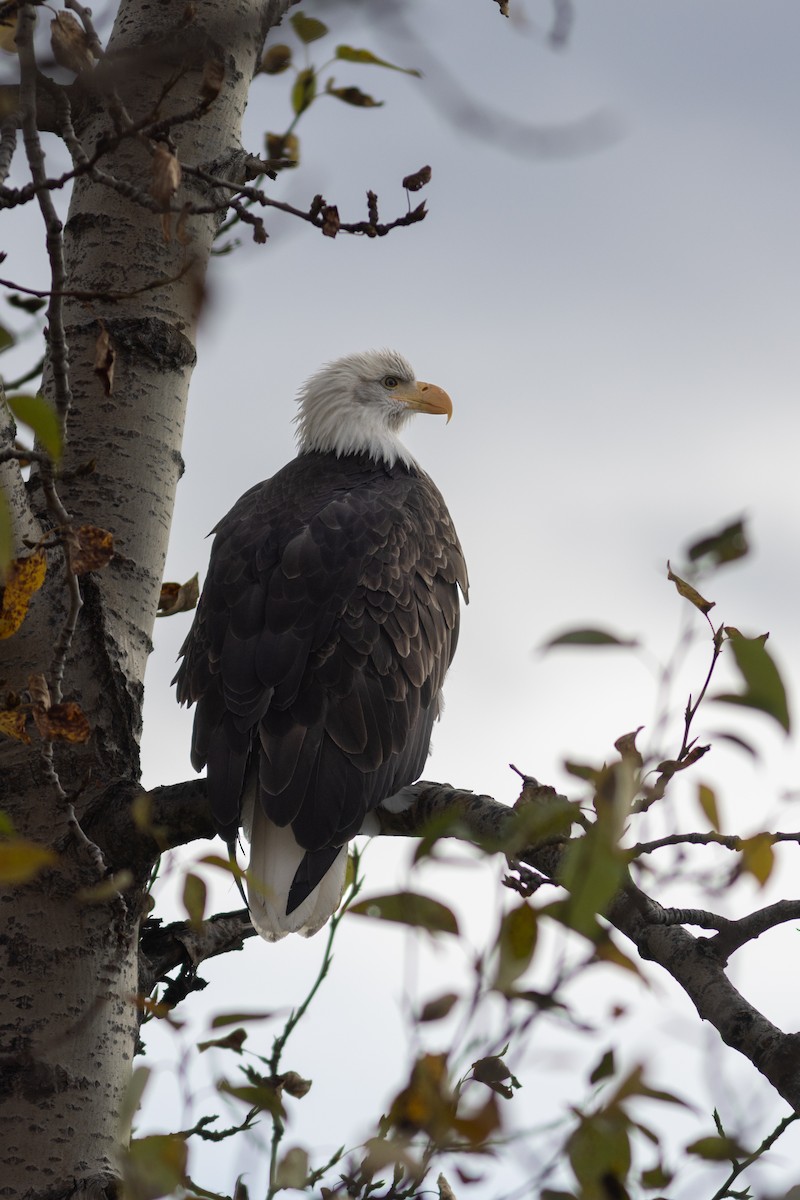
point(359, 404)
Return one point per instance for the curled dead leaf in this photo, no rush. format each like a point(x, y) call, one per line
point(690, 593)
point(38, 691)
point(178, 597)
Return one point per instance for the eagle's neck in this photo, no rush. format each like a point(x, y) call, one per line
point(327, 428)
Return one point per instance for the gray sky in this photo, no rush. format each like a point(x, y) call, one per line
point(618, 331)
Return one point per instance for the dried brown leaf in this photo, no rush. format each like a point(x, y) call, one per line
point(690, 593)
point(330, 220)
point(213, 78)
point(413, 183)
point(90, 549)
point(104, 359)
point(63, 722)
point(70, 45)
point(276, 60)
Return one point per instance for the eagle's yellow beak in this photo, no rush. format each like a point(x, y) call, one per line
point(427, 398)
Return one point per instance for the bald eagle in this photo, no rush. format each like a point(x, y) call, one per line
point(327, 622)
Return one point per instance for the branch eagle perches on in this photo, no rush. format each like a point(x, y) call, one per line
point(696, 964)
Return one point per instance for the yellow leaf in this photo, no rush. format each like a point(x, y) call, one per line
point(758, 857)
point(12, 724)
point(24, 577)
point(108, 889)
point(21, 861)
point(8, 32)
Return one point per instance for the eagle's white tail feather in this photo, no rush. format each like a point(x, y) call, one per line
point(274, 858)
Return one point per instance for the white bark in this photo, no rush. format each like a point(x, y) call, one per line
point(67, 968)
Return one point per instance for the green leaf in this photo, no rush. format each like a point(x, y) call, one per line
point(238, 1018)
point(255, 1095)
point(29, 304)
point(308, 29)
point(154, 1166)
point(516, 943)
point(604, 1068)
point(436, 1010)
point(304, 90)
point(408, 908)
point(132, 1099)
point(7, 339)
point(40, 416)
point(231, 1041)
point(292, 1170)
point(722, 546)
point(599, 1151)
point(588, 637)
point(717, 1149)
point(764, 688)
point(592, 871)
point(21, 861)
point(194, 899)
point(351, 54)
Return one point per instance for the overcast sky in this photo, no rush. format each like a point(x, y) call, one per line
point(614, 312)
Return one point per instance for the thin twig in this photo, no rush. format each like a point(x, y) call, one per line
point(742, 1166)
point(111, 297)
point(728, 841)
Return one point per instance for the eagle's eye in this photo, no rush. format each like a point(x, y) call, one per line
point(390, 381)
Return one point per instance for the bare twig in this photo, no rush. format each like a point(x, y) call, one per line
point(111, 297)
point(729, 841)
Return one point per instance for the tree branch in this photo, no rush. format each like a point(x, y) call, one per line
point(162, 948)
point(696, 964)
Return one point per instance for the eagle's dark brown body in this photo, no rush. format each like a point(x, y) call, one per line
point(328, 620)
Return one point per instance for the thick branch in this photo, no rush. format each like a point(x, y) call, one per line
point(165, 947)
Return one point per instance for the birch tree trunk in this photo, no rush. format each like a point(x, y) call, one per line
point(67, 967)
